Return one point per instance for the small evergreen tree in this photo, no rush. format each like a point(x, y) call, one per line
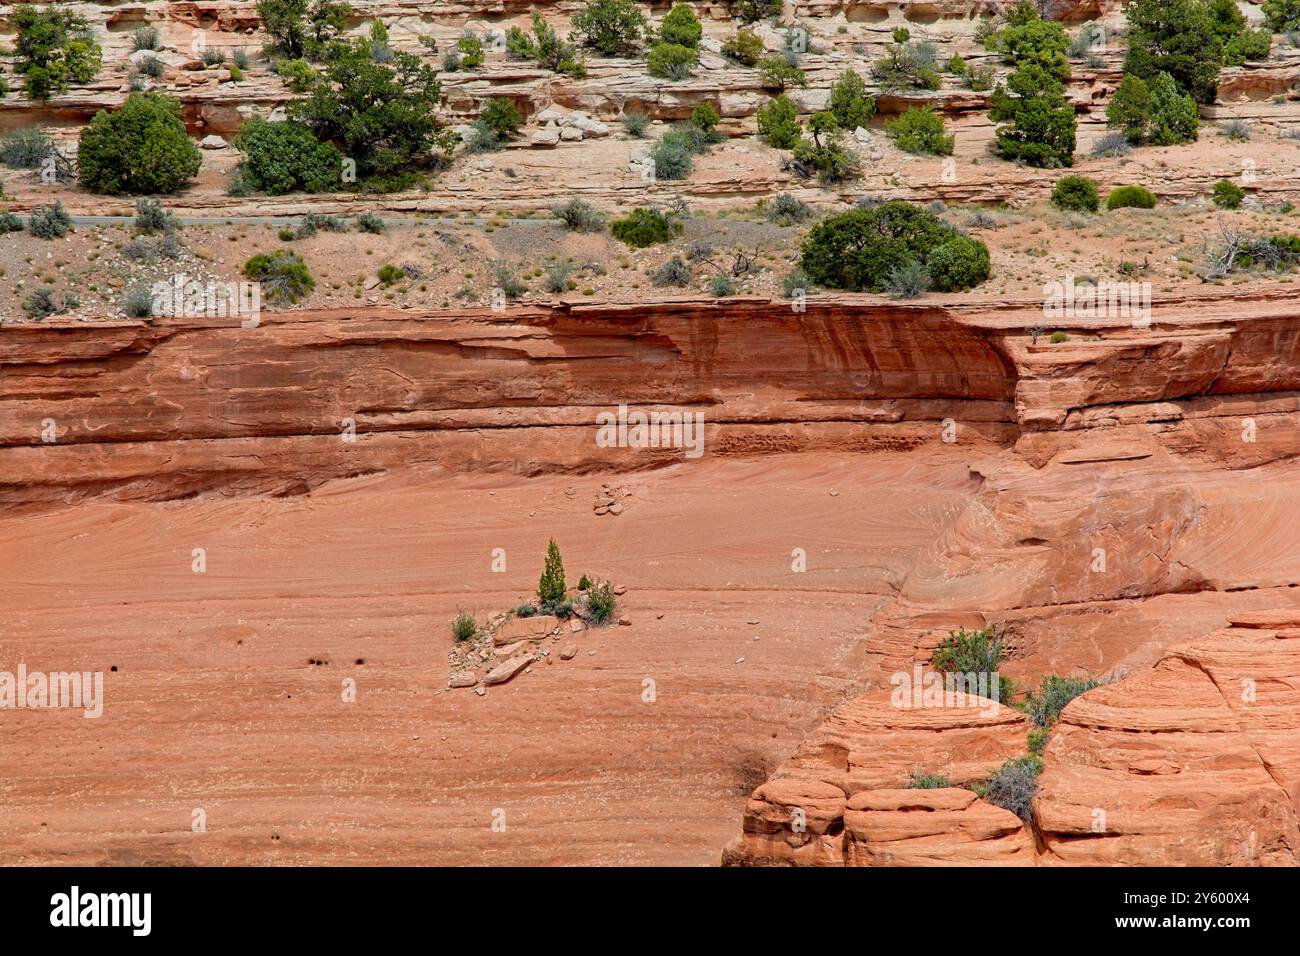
point(551, 588)
point(1039, 123)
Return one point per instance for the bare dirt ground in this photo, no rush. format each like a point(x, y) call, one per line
point(211, 701)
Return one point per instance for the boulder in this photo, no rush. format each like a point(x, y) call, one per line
point(524, 629)
point(505, 671)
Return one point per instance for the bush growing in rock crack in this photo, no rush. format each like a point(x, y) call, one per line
point(1044, 706)
point(965, 652)
point(1014, 785)
point(919, 780)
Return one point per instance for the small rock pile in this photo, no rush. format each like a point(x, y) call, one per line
point(559, 127)
point(609, 500)
point(510, 645)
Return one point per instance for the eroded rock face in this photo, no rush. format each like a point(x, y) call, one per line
point(1192, 762)
point(1195, 762)
point(838, 800)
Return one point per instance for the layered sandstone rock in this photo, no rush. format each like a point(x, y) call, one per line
point(838, 801)
point(1195, 762)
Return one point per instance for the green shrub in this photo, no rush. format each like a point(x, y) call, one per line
point(670, 61)
point(674, 272)
point(1136, 197)
point(705, 117)
point(786, 210)
point(973, 653)
point(917, 780)
point(744, 48)
point(141, 148)
point(463, 626)
point(580, 216)
point(673, 155)
point(151, 66)
point(721, 286)
point(960, 263)
point(1029, 39)
point(602, 604)
point(778, 123)
point(1177, 37)
point(10, 223)
point(1076, 194)
point(610, 27)
point(389, 273)
point(53, 49)
point(1129, 110)
point(282, 274)
point(285, 157)
point(584, 583)
point(545, 48)
point(470, 53)
point(920, 131)
point(776, 72)
point(751, 11)
point(645, 227)
point(298, 74)
point(369, 222)
point(213, 57)
point(1014, 785)
point(151, 217)
point(636, 124)
point(1038, 124)
point(1173, 114)
point(25, 148)
point(849, 103)
point(1058, 337)
point(861, 249)
point(551, 586)
point(1227, 194)
point(796, 282)
point(382, 115)
point(1281, 16)
point(681, 27)
point(49, 222)
point(826, 153)
point(1044, 706)
point(907, 281)
point(1247, 45)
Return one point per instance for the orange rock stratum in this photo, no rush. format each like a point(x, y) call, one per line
point(259, 536)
